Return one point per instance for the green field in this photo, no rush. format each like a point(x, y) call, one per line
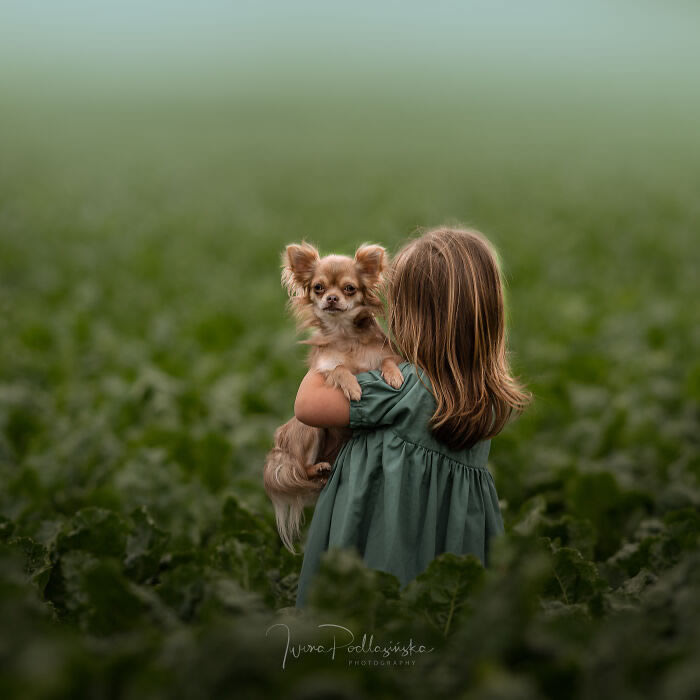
point(146, 358)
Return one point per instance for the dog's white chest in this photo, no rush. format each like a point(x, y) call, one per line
point(329, 360)
point(361, 359)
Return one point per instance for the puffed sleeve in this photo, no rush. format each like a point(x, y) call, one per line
point(379, 401)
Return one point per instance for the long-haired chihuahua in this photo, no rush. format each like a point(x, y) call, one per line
point(337, 297)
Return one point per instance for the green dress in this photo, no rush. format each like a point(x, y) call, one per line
point(398, 495)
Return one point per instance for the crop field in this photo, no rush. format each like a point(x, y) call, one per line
point(146, 358)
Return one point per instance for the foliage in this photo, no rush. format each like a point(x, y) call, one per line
point(147, 359)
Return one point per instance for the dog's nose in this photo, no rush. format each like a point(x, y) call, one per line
point(332, 299)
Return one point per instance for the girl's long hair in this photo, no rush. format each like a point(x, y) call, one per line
point(446, 314)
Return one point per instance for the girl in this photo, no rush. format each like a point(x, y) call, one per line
point(412, 482)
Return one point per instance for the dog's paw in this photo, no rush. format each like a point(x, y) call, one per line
point(319, 473)
point(318, 469)
point(352, 390)
point(392, 376)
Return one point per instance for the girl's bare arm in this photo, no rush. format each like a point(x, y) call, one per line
point(320, 405)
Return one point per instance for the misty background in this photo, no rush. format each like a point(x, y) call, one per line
point(155, 159)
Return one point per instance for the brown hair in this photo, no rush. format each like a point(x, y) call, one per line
point(446, 313)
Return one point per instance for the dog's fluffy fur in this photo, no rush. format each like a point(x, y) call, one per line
point(336, 296)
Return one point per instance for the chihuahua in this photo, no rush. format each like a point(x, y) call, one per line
point(337, 297)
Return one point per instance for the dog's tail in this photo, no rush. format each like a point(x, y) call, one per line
point(290, 491)
point(290, 517)
point(286, 480)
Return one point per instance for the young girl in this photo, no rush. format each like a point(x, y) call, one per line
point(412, 482)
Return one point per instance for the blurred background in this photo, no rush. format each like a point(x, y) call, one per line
point(155, 158)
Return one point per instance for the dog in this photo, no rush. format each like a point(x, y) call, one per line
point(337, 297)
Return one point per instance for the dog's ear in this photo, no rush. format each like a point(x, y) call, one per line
point(371, 262)
point(298, 264)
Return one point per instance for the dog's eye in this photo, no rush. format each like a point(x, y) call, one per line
point(349, 289)
point(318, 287)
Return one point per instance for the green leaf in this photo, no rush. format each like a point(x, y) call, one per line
point(98, 597)
point(244, 524)
point(444, 591)
point(182, 588)
point(598, 498)
point(145, 546)
point(575, 580)
point(95, 530)
point(225, 597)
point(531, 515)
point(344, 588)
point(37, 562)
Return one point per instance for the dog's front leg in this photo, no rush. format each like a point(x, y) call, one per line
point(342, 378)
point(391, 372)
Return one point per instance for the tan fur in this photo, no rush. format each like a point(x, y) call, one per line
point(336, 296)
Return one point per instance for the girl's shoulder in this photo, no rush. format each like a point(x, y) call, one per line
point(406, 412)
point(410, 372)
point(407, 369)
point(379, 397)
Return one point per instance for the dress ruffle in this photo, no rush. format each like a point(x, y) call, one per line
point(402, 515)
